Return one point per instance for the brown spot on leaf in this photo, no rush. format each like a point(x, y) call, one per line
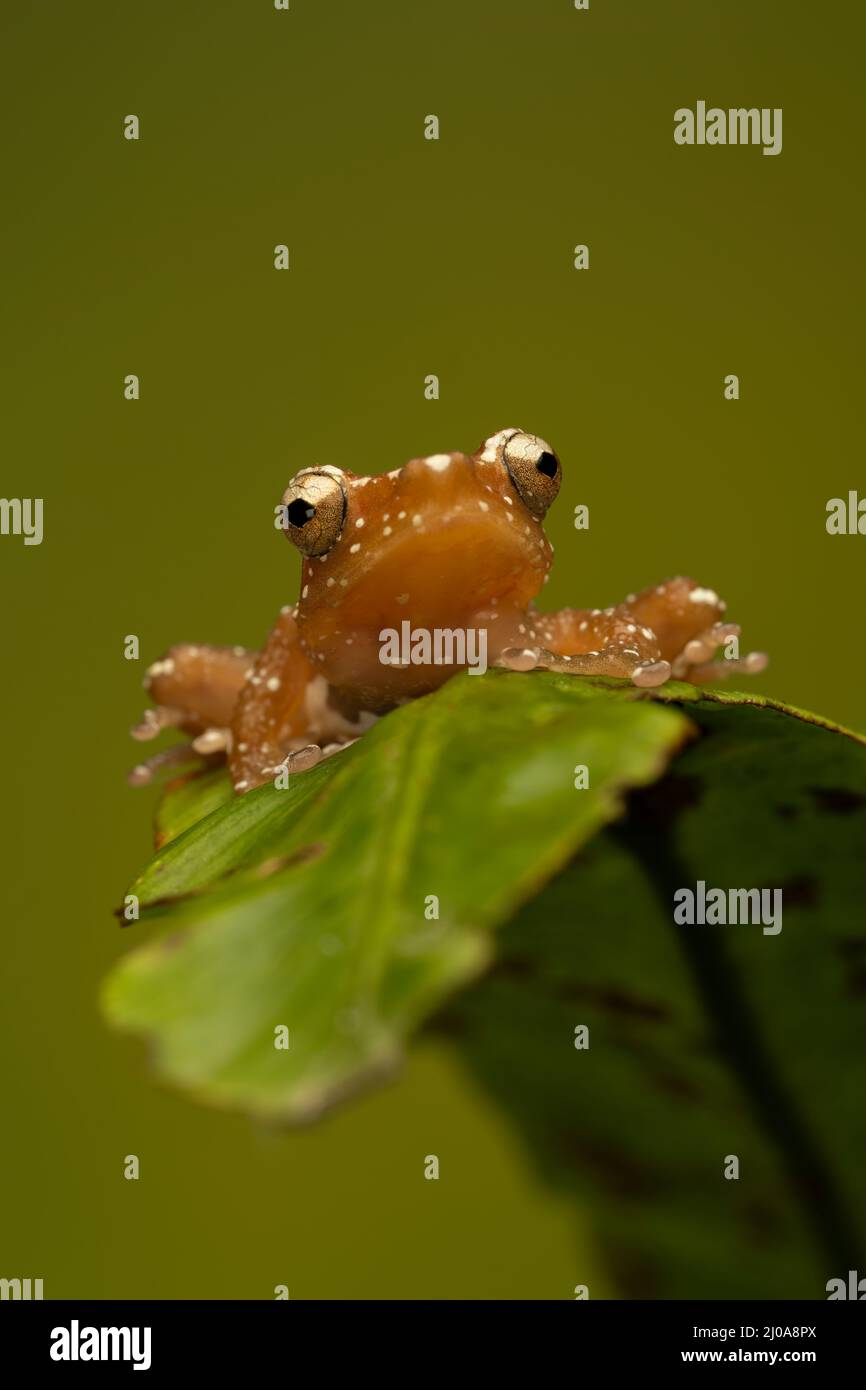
point(801, 891)
point(633, 1273)
point(614, 1170)
point(852, 949)
point(616, 1001)
point(762, 1222)
point(675, 1084)
point(287, 861)
point(517, 968)
point(837, 800)
point(664, 802)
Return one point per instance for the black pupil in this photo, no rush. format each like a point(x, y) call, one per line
point(300, 512)
point(547, 465)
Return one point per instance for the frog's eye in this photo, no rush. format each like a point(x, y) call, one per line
point(534, 470)
point(314, 507)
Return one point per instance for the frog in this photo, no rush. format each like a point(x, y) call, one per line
point(450, 542)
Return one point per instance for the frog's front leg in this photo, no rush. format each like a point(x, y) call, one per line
point(589, 642)
point(673, 629)
point(286, 715)
point(270, 719)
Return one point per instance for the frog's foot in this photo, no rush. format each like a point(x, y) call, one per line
point(212, 741)
point(195, 688)
point(299, 759)
point(153, 721)
point(686, 620)
point(618, 659)
point(696, 663)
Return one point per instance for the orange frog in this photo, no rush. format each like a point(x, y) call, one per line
point(451, 544)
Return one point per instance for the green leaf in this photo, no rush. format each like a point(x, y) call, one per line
point(705, 1041)
point(308, 907)
point(187, 800)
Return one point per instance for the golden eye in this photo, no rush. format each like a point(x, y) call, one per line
point(315, 509)
point(534, 470)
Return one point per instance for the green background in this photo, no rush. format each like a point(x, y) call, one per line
point(408, 257)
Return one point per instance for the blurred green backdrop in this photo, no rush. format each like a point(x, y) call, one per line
point(408, 257)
